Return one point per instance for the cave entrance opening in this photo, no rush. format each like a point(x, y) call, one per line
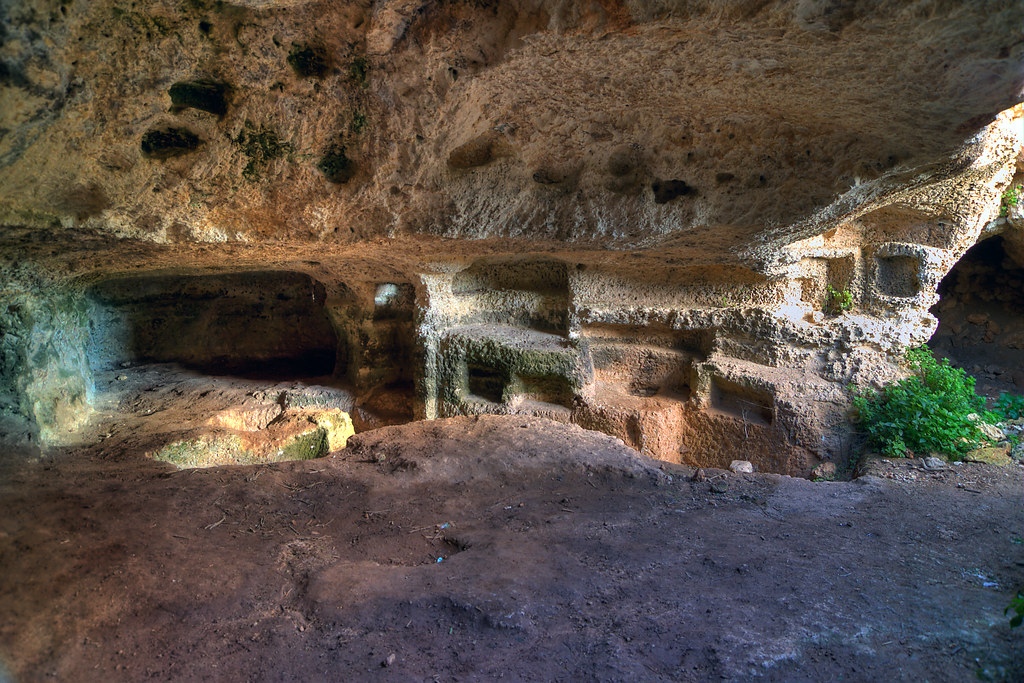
point(981, 315)
point(262, 325)
point(221, 368)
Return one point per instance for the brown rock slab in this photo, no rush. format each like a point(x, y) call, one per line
point(992, 455)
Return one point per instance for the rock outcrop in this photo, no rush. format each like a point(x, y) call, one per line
point(687, 224)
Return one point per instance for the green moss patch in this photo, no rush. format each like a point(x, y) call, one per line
point(302, 435)
point(359, 123)
point(308, 446)
point(992, 455)
point(207, 451)
point(214, 450)
point(358, 71)
point(337, 427)
point(261, 146)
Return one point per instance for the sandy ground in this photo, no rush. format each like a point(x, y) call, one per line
point(500, 548)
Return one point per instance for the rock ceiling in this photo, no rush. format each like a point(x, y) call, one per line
point(688, 126)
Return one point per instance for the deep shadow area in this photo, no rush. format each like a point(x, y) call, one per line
point(257, 325)
point(981, 316)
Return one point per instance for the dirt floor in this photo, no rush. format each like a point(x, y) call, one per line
point(500, 548)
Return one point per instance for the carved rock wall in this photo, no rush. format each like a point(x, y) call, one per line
point(626, 215)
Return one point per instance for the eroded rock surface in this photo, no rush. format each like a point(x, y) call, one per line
point(764, 113)
point(688, 225)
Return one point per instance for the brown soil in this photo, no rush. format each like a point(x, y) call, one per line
point(501, 547)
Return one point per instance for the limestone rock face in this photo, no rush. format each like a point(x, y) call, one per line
point(689, 225)
point(294, 435)
point(767, 113)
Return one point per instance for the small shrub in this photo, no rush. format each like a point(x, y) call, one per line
point(929, 411)
point(1017, 607)
point(837, 301)
point(1011, 197)
point(1009, 407)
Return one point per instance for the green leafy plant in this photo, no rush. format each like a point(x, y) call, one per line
point(935, 409)
point(1011, 197)
point(1009, 406)
point(837, 301)
point(1017, 607)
